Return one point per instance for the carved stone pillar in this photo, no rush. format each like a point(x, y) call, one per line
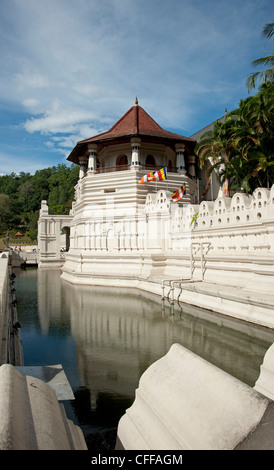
point(83, 167)
point(92, 148)
point(180, 159)
point(191, 165)
point(135, 152)
point(44, 208)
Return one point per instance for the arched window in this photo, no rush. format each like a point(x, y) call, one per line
point(150, 161)
point(121, 162)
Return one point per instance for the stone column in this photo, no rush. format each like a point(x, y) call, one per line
point(83, 166)
point(44, 208)
point(42, 228)
point(92, 148)
point(135, 152)
point(180, 159)
point(57, 238)
point(191, 165)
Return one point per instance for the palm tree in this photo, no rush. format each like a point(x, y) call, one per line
point(268, 74)
point(254, 137)
point(241, 149)
point(216, 147)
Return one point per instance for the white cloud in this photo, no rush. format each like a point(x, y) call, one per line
point(31, 79)
point(76, 66)
point(58, 121)
point(32, 105)
point(65, 143)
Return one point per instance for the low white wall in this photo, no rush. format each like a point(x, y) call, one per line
point(185, 403)
point(231, 241)
point(31, 417)
point(125, 240)
point(3, 280)
point(265, 382)
point(3, 300)
point(51, 241)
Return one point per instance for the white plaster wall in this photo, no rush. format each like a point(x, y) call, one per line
point(236, 235)
point(137, 238)
point(3, 296)
point(50, 237)
point(185, 403)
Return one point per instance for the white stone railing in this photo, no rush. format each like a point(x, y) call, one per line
point(224, 212)
point(238, 210)
point(240, 223)
point(229, 238)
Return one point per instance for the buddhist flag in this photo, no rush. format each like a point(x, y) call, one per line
point(225, 187)
point(256, 170)
point(154, 176)
point(179, 193)
point(207, 188)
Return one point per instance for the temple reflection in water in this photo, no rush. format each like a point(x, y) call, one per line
point(119, 332)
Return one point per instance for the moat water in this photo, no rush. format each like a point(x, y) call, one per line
point(105, 338)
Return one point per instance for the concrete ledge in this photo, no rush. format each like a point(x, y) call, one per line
point(183, 402)
point(236, 302)
point(53, 375)
point(4, 332)
point(31, 417)
point(265, 382)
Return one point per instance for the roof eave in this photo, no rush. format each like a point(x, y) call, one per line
point(82, 146)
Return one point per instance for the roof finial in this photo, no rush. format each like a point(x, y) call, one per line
point(136, 101)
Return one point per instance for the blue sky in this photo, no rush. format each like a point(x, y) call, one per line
point(71, 68)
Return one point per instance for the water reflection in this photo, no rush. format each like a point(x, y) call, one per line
point(119, 333)
point(106, 338)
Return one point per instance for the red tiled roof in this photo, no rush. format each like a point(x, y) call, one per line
point(135, 122)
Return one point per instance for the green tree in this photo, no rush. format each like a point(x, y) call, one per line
point(6, 214)
point(254, 138)
point(216, 146)
point(266, 75)
point(61, 185)
point(241, 149)
point(25, 192)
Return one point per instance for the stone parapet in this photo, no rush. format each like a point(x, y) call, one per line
point(31, 416)
point(116, 238)
point(3, 306)
point(185, 403)
point(10, 342)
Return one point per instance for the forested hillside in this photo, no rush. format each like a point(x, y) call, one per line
point(21, 195)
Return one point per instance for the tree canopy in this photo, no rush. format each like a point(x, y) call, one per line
point(21, 195)
point(265, 75)
point(241, 149)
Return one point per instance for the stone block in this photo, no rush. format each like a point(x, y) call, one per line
point(185, 403)
point(31, 417)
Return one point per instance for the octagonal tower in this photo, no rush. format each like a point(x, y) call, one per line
point(109, 230)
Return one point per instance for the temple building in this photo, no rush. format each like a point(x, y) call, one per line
point(109, 215)
point(128, 227)
point(136, 143)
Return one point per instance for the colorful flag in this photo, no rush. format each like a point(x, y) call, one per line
point(179, 193)
point(256, 170)
point(225, 187)
point(207, 188)
point(159, 175)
